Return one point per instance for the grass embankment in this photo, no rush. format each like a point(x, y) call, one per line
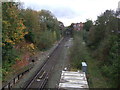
point(79, 53)
point(96, 80)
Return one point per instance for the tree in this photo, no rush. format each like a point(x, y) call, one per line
point(13, 31)
point(87, 25)
point(103, 39)
point(32, 23)
point(49, 27)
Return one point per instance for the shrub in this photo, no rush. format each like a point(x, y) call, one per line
point(78, 52)
point(45, 40)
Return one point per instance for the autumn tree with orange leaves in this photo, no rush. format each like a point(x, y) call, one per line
point(13, 31)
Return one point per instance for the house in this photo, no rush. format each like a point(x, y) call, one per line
point(78, 26)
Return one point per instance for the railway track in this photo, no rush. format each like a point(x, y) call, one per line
point(41, 77)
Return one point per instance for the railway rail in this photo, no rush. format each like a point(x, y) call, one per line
point(41, 77)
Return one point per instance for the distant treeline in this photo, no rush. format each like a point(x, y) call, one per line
point(25, 30)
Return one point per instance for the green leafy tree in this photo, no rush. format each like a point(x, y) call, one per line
point(32, 23)
point(49, 27)
point(103, 40)
point(88, 24)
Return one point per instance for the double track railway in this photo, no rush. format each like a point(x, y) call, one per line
point(41, 77)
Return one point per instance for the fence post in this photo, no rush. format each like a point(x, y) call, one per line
point(18, 77)
point(14, 81)
point(8, 86)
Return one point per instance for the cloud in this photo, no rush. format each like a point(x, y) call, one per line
point(69, 11)
point(64, 13)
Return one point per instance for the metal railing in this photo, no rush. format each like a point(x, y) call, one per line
point(14, 80)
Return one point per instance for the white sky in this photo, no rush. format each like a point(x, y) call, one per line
point(73, 11)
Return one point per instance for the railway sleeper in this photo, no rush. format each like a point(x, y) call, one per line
point(41, 76)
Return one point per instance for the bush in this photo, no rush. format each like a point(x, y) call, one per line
point(78, 52)
point(45, 40)
point(9, 58)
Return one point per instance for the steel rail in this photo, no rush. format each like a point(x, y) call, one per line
point(47, 72)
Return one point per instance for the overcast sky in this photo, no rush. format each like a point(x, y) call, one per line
point(73, 11)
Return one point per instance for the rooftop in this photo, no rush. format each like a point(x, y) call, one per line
point(70, 79)
point(84, 64)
